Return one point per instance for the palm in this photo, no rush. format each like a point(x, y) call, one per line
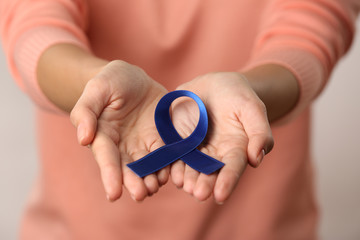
point(133, 130)
point(227, 100)
point(224, 133)
point(119, 104)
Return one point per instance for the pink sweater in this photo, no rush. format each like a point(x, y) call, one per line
point(175, 41)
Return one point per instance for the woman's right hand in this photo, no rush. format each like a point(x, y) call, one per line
point(115, 117)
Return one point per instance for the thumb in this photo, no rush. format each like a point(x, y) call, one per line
point(258, 130)
point(87, 110)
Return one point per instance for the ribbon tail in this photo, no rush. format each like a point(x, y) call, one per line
point(160, 158)
point(202, 162)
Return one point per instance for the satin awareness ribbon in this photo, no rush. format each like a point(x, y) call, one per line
point(177, 147)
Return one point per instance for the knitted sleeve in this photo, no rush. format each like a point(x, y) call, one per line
point(307, 37)
point(28, 27)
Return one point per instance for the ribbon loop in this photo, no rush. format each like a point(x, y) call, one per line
point(177, 147)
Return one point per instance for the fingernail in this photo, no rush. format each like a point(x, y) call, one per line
point(109, 198)
point(134, 198)
point(260, 157)
point(81, 133)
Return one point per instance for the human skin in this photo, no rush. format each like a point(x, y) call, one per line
point(112, 106)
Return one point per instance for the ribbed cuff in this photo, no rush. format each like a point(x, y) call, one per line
point(27, 52)
point(306, 68)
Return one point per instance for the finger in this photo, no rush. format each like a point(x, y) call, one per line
point(86, 127)
point(151, 183)
point(163, 175)
point(107, 156)
point(133, 183)
point(235, 164)
point(87, 110)
point(204, 186)
point(177, 173)
point(190, 179)
point(151, 180)
point(258, 130)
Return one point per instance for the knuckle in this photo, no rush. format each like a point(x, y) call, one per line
point(74, 116)
point(261, 106)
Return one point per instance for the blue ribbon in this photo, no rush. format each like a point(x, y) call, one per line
point(177, 147)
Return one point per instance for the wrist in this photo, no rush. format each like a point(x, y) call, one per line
point(276, 86)
point(90, 66)
point(63, 71)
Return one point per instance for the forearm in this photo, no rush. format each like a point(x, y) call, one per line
point(63, 71)
point(276, 87)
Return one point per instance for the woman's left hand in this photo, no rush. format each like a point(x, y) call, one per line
point(239, 132)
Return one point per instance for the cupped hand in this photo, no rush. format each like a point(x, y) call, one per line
point(239, 132)
point(114, 116)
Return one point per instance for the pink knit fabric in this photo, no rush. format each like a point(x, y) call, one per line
point(175, 41)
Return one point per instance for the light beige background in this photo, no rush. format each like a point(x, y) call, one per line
point(335, 140)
